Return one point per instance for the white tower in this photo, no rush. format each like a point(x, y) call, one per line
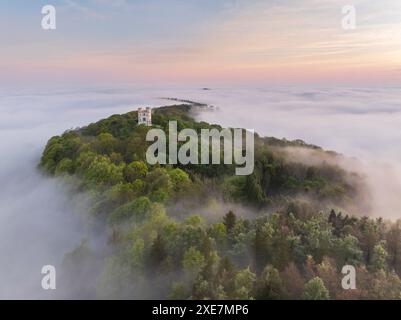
point(145, 116)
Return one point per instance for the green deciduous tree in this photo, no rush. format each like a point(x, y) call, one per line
point(180, 180)
point(269, 285)
point(193, 260)
point(315, 290)
point(135, 170)
point(347, 251)
point(102, 171)
point(379, 257)
point(244, 282)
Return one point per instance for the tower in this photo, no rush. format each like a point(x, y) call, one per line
point(145, 116)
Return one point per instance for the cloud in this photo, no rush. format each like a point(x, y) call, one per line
point(39, 221)
point(265, 41)
point(354, 121)
point(87, 11)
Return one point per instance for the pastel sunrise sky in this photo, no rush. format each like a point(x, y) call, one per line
point(201, 41)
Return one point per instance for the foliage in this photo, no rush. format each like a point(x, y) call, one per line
point(315, 290)
point(274, 246)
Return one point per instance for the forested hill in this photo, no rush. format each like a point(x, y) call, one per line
point(117, 146)
point(200, 231)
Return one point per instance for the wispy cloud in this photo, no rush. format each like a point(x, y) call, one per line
point(259, 41)
point(86, 11)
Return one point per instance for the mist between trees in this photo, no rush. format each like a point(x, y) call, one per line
point(200, 231)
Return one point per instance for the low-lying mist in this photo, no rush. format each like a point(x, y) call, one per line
point(360, 123)
point(40, 221)
point(377, 182)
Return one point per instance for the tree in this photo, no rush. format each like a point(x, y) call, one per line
point(201, 289)
point(157, 254)
point(135, 170)
point(84, 160)
point(105, 143)
point(384, 285)
point(330, 276)
point(179, 291)
point(102, 171)
point(309, 268)
point(393, 240)
point(293, 281)
point(315, 290)
point(137, 253)
point(225, 275)
point(318, 237)
point(59, 148)
point(193, 260)
point(229, 220)
point(270, 285)
point(180, 180)
point(65, 166)
point(159, 183)
point(112, 282)
point(347, 251)
point(219, 233)
point(262, 244)
point(369, 236)
point(116, 158)
point(121, 193)
point(379, 257)
point(137, 209)
point(244, 282)
point(253, 191)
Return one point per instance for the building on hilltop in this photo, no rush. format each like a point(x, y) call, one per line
point(145, 116)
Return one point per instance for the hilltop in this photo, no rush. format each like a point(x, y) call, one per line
point(119, 143)
point(199, 231)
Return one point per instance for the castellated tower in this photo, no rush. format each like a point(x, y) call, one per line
point(145, 116)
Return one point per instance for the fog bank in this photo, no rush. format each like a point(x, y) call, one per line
point(39, 221)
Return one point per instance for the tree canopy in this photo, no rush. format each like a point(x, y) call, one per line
point(198, 231)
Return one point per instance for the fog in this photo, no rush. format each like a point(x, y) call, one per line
point(40, 221)
point(363, 124)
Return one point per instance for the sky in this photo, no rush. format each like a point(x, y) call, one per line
point(203, 42)
point(193, 44)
